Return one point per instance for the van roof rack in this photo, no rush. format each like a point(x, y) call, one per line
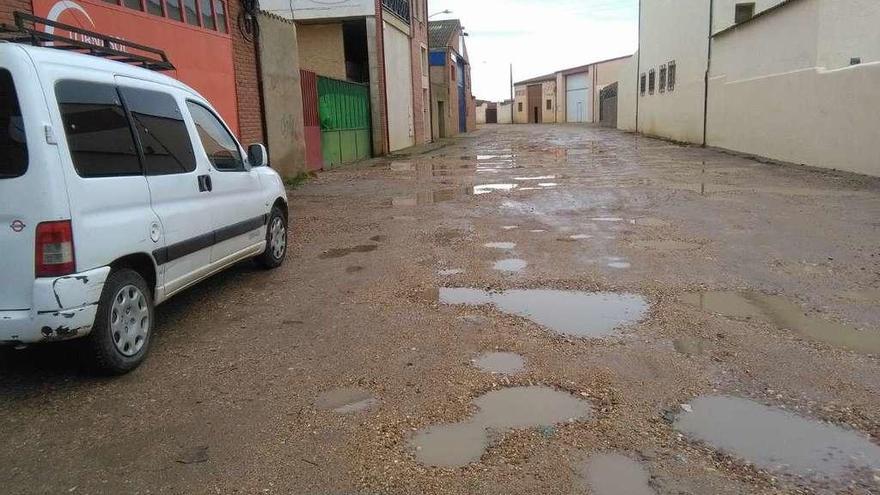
point(99, 45)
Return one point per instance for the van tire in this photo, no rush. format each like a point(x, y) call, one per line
point(276, 241)
point(108, 357)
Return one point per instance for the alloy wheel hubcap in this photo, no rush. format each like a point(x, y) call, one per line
point(277, 238)
point(129, 320)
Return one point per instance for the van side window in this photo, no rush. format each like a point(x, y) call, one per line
point(13, 145)
point(161, 130)
point(219, 144)
point(98, 133)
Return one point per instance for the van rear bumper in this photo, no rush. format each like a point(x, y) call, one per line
point(64, 308)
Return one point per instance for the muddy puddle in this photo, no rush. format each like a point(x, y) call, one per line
point(505, 363)
point(665, 245)
point(512, 265)
point(618, 263)
point(579, 314)
point(778, 440)
point(614, 474)
point(500, 245)
point(787, 315)
point(498, 411)
point(345, 400)
point(342, 252)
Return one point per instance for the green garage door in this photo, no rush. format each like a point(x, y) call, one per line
point(344, 110)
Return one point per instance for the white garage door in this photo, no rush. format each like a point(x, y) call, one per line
point(577, 97)
point(398, 77)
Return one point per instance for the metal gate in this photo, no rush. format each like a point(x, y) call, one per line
point(344, 110)
point(608, 106)
point(311, 122)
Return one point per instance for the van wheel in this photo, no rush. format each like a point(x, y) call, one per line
point(123, 329)
point(276, 241)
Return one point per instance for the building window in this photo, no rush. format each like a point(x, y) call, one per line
point(642, 84)
point(519, 107)
point(652, 81)
point(155, 7)
point(220, 13)
point(207, 15)
point(670, 76)
point(744, 12)
point(132, 4)
point(192, 16)
point(162, 132)
point(662, 78)
point(172, 10)
point(549, 104)
point(452, 72)
point(424, 62)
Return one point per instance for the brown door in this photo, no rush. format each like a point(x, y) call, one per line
point(441, 118)
point(536, 112)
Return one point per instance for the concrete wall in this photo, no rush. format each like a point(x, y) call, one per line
point(797, 110)
point(398, 78)
point(481, 113)
point(627, 94)
point(283, 95)
point(322, 49)
point(674, 30)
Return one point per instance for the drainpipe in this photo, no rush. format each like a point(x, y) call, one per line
point(708, 66)
point(639, 68)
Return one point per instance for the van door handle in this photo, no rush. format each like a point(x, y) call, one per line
point(205, 183)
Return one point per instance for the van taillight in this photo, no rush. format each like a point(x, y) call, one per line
point(54, 249)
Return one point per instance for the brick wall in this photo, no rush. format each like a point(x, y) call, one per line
point(7, 7)
point(381, 134)
point(419, 27)
point(247, 82)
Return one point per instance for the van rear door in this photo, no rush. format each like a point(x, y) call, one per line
point(21, 185)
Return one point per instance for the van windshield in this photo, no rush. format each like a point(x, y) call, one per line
point(13, 145)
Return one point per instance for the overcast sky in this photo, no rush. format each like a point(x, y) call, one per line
point(539, 36)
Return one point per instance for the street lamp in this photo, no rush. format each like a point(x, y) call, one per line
point(447, 11)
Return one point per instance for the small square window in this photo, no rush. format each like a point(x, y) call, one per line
point(549, 104)
point(662, 78)
point(652, 81)
point(519, 107)
point(744, 12)
point(642, 84)
point(670, 76)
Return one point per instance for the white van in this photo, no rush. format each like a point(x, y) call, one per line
point(119, 187)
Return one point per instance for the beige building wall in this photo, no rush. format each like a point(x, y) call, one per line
point(561, 97)
point(798, 109)
point(504, 115)
point(674, 30)
point(627, 94)
point(282, 95)
point(604, 74)
point(321, 49)
point(521, 104)
point(548, 115)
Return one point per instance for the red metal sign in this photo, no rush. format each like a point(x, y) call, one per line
point(202, 57)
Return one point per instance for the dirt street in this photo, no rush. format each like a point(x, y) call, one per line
point(681, 320)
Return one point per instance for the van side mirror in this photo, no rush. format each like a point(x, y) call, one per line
point(257, 155)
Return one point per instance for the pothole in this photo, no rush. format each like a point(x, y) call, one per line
point(345, 400)
point(459, 444)
point(785, 314)
point(505, 363)
point(614, 474)
point(580, 314)
point(778, 440)
point(512, 265)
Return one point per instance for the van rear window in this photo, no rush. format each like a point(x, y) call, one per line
point(13, 145)
point(97, 129)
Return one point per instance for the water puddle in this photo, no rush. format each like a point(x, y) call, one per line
point(342, 252)
point(537, 231)
point(580, 314)
point(459, 444)
point(785, 314)
point(345, 400)
point(500, 245)
point(665, 245)
point(778, 440)
point(490, 188)
point(506, 363)
point(619, 265)
point(512, 265)
point(615, 474)
point(607, 219)
point(580, 237)
point(689, 347)
point(541, 177)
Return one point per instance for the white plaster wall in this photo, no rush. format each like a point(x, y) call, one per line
point(725, 11)
point(626, 94)
point(809, 114)
point(481, 113)
point(848, 29)
point(398, 80)
point(504, 115)
point(675, 30)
